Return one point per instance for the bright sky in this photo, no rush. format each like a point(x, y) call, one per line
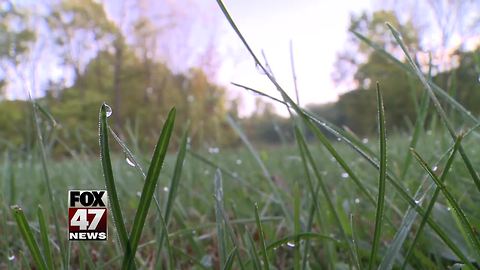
point(318, 30)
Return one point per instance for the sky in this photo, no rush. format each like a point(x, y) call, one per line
point(317, 29)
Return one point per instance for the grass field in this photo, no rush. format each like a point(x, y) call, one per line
point(409, 201)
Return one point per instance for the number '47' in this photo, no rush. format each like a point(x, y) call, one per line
point(80, 218)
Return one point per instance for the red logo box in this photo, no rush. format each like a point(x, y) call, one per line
point(87, 215)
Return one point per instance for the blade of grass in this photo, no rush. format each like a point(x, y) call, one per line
point(46, 176)
point(307, 158)
point(27, 235)
point(432, 201)
point(437, 106)
point(44, 234)
point(262, 166)
point(254, 259)
point(297, 225)
point(149, 188)
point(381, 180)
point(163, 232)
point(266, 264)
point(174, 183)
point(221, 238)
point(109, 179)
point(454, 203)
point(411, 71)
point(397, 185)
point(390, 177)
point(230, 258)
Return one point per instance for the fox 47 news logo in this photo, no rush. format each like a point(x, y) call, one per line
point(87, 215)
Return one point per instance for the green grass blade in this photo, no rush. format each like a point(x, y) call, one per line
point(45, 239)
point(174, 183)
point(261, 233)
point(163, 232)
point(400, 189)
point(262, 166)
point(230, 258)
point(406, 68)
point(432, 201)
point(109, 179)
point(297, 226)
point(307, 158)
point(221, 238)
point(27, 235)
point(437, 106)
point(46, 176)
point(381, 180)
point(467, 226)
point(254, 259)
point(396, 184)
point(177, 173)
point(149, 188)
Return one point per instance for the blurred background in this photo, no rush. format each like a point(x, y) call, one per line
point(143, 57)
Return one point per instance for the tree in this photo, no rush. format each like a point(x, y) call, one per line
point(15, 42)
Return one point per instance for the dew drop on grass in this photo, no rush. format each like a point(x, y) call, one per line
point(129, 162)
point(108, 110)
point(239, 161)
point(11, 258)
point(345, 175)
point(213, 150)
point(357, 200)
point(435, 168)
point(339, 139)
point(139, 194)
point(448, 208)
point(365, 140)
point(418, 201)
point(165, 189)
point(290, 244)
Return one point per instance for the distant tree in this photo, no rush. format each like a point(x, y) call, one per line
point(16, 39)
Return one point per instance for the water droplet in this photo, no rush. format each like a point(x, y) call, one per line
point(129, 162)
point(418, 201)
point(357, 200)
point(239, 161)
point(448, 208)
point(259, 69)
point(108, 110)
point(139, 194)
point(478, 78)
point(435, 168)
point(194, 232)
point(291, 244)
point(339, 139)
point(165, 189)
point(365, 140)
point(213, 150)
point(11, 258)
point(429, 132)
point(345, 175)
